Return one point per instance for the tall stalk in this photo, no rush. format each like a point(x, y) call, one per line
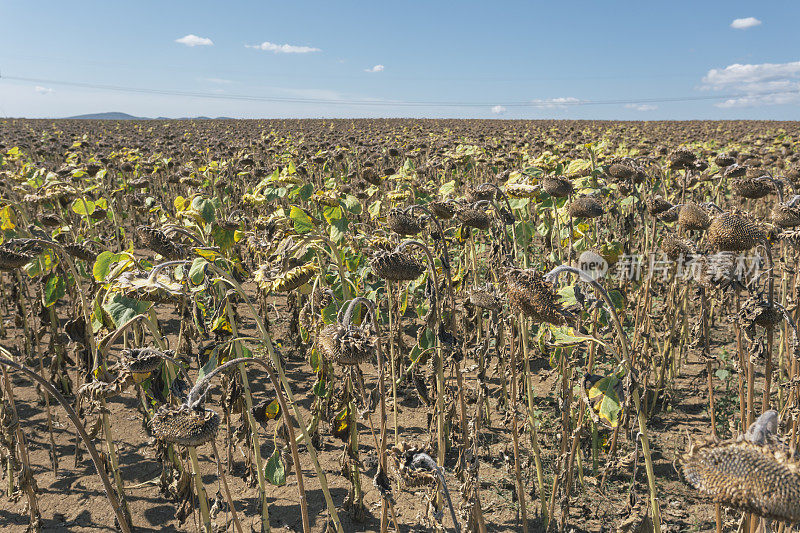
point(654, 507)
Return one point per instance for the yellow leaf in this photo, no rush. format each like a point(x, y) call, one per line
point(7, 217)
point(208, 255)
point(181, 203)
point(273, 410)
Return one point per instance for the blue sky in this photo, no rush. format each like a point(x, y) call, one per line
point(581, 59)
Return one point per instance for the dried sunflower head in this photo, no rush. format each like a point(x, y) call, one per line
point(157, 241)
point(477, 194)
point(753, 188)
point(724, 160)
point(681, 158)
point(142, 286)
point(693, 217)
point(557, 186)
point(761, 479)
point(485, 298)
point(80, 251)
point(400, 458)
point(670, 215)
point(96, 390)
point(675, 247)
point(785, 216)
point(585, 207)
point(379, 242)
point(473, 217)
point(733, 232)
point(11, 260)
point(531, 295)
point(400, 221)
point(756, 311)
point(396, 266)
point(657, 205)
point(734, 171)
point(442, 209)
point(50, 220)
point(521, 190)
point(294, 278)
point(143, 360)
point(184, 425)
point(346, 344)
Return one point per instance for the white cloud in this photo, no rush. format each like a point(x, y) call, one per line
point(760, 84)
point(43, 90)
point(217, 80)
point(743, 24)
point(641, 107)
point(560, 103)
point(498, 110)
point(283, 48)
point(194, 40)
point(376, 68)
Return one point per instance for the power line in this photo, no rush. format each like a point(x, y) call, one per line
point(353, 76)
point(551, 103)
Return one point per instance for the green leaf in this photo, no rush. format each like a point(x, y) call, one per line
point(603, 395)
point(447, 188)
point(222, 237)
point(102, 265)
point(121, 309)
point(97, 316)
point(319, 389)
point(329, 313)
point(275, 470)
point(210, 365)
point(567, 295)
point(221, 324)
point(617, 299)
point(566, 336)
point(427, 340)
point(272, 410)
point(315, 360)
point(302, 222)
point(81, 206)
point(197, 271)
point(44, 263)
point(338, 229)
point(332, 214)
point(53, 290)
point(374, 209)
point(205, 207)
point(352, 204)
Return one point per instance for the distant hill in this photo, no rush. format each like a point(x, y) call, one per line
point(116, 115)
point(113, 115)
